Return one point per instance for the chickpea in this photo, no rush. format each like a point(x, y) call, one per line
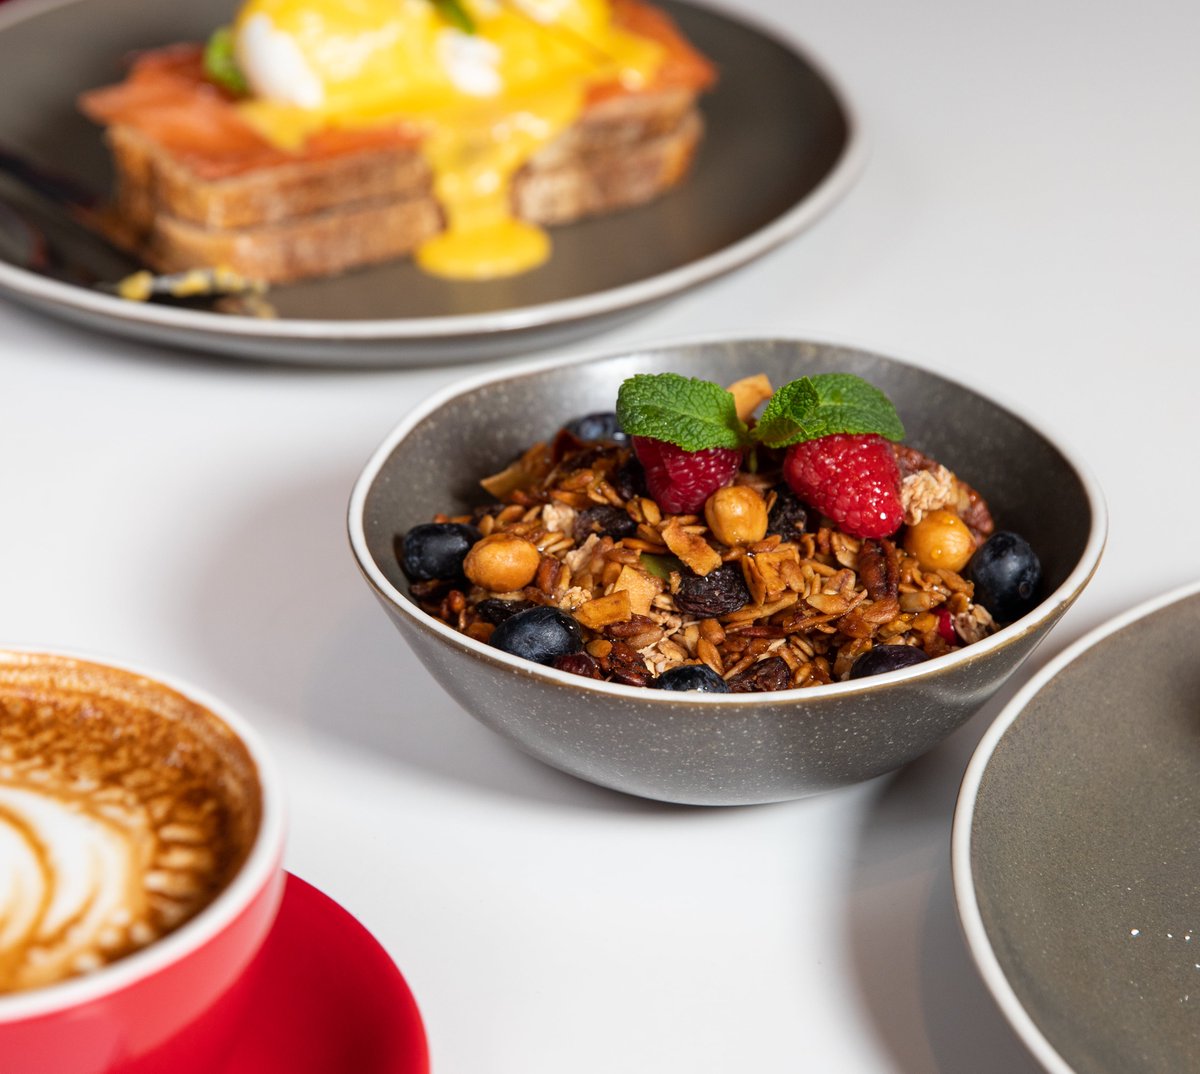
point(502, 562)
point(940, 539)
point(736, 515)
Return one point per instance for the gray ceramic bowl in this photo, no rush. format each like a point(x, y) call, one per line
point(703, 748)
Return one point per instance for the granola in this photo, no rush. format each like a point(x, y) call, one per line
point(768, 594)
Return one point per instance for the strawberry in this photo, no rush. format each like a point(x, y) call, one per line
point(852, 479)
point(680, 481)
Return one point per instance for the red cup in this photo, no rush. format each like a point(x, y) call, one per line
point(172, 1006)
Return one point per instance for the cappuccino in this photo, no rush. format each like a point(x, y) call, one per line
point(125, 809)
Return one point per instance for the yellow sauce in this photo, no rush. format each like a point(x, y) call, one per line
point(487, 101)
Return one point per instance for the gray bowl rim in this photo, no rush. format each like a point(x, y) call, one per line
point(1055, 602)
point(965, 898)
point(823, 197)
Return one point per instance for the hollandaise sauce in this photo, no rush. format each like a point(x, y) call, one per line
point(487, 100)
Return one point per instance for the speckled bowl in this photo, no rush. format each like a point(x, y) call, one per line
point(723, 749)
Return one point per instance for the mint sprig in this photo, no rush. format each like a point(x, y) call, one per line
point(691, 414)
point(696, 414)
point(825, 404)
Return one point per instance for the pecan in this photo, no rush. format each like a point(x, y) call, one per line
point(973, 510)
point(629, 627)
point(625, 665)
point(879, 568)
point(579, 664)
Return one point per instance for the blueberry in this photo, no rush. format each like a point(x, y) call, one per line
point(692, 677)
point(539, 634)
point(886, 658)
point(1006, 573)
point(495, 611)
point(600, 426)
point(435, 550)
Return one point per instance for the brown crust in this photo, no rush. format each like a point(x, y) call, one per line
point(597, 177)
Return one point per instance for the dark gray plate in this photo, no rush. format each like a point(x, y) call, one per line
point(1077, 849)
point(782, 147)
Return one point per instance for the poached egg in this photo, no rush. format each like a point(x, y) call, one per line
point(485, 101)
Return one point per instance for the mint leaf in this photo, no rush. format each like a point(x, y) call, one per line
point(689, 413)
point(220, 64)
point(825, 404)
point(456, 15)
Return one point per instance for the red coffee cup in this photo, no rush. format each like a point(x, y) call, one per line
point(171, 1006)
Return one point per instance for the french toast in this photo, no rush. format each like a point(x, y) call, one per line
point(197, 185)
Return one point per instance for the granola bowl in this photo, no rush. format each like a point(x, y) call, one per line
point(721, 748)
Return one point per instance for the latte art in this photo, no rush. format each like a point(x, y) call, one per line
point(124, 810)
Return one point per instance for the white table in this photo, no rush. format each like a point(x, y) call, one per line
point(1029, 223)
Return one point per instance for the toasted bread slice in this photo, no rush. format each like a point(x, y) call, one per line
point(554, 189)
point(195, 185)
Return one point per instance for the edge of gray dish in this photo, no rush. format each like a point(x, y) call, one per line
point(446, 339)
point(965, 896)
point(1050, 608)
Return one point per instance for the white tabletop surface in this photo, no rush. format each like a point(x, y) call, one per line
point(1028, 223)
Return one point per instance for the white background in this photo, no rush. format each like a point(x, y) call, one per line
point(1029, 223)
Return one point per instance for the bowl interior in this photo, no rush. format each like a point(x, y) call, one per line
point(1031, 487)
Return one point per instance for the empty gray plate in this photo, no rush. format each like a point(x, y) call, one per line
point(1077, 849)
point(782, 147)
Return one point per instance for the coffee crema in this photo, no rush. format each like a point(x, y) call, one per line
point(125, 809)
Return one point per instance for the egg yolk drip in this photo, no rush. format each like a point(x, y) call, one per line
point(486, 101)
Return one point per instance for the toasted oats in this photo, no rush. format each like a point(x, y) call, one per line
point(925, 491)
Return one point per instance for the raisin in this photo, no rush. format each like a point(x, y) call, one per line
point(788, 516)
point(603, 520)
point(770, 674)
point(629, 479)
point(579, 664)
point(718, 593)
point(495, 611)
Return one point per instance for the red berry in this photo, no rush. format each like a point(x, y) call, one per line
point(946, 627)
point(680, 481)
point(853, 480)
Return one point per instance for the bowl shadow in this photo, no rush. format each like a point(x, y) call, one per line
point(279, 610)
point(914, 972)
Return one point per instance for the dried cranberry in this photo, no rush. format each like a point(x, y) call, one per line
point(770, 674)
point(717, 593)
point(495, 611)
point(788, 516)
point(579, 664)
point(603, 520)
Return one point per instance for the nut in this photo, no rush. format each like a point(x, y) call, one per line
point(736, 515)
point(940, 539)
point(502, 562)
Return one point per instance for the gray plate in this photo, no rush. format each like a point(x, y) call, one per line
point(782, 147)
point(1077, 845)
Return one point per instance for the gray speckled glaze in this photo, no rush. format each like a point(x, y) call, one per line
point(699, 748)
point(1085, 844)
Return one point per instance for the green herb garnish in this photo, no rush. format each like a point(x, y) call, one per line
point(689, 413)
point(696, 414)
point(220, 63)
point(825, 404)
point(455, 14)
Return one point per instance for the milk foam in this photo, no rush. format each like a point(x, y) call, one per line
point(70, 887)
point(124, 810)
